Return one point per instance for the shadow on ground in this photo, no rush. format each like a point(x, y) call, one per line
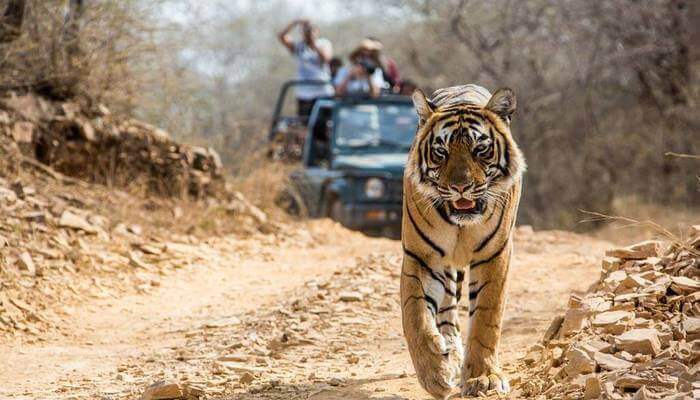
point(349, 389)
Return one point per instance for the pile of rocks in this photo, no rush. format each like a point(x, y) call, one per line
point(92, 144)
point(636, 334)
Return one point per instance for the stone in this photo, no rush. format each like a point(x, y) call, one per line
point(27, 106)
point(164, 390)
point(86, 130)
point(684, 285)
point(593, 388)
point(634, 381)
point(350, 296)
point(614, 278)
point(611, 317)
point(578, 363)
point(575, 320)
point(611, 264)
point(554, 328)
point(23, 132)
point(3, 241)
point(642, 341)
point(26, 264)
point(630, 283)
point(241, 205)
point(690, 325)
point(136, 261)
point(594, 346)
point(246, 378)
point(639, 251)
point(609, 362)
point(71, 220)
point(641, 394)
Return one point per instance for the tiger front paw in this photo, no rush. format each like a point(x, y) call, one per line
point(494, 379)
point(438, 369)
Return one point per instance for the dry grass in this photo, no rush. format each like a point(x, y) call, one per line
point(641, 221)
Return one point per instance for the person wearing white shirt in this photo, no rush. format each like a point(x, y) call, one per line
point(312, 55)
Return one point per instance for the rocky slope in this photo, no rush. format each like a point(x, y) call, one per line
point(636, 334)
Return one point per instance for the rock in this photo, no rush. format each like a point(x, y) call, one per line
point(23, 132)
point(579, 363)
point(26, 106)
point(240, 205)
point(611, 264)
point(554, 328)
point(246, 378)
point(690, 325)
point(26, 264)
point(642, 341)
point(164, 390)
point(611, 317)
point(575, 320)
point(136, 261)
point(593, 388)
point(615, 277)
point(135, 229)
point(641, 394)
point(609, 362)
point(86, 130)
point(630, 283)
point(634, 381)
point(639, 251)
point(71, 220)
point(3, 241)
point(594, 346)
point(350, 296)
point(684, 285)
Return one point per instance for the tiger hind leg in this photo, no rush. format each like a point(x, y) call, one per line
point(436, 357)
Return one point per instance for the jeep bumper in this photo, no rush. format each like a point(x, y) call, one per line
point(371, 216)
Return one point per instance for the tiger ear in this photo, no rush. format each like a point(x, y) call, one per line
point(424, 107)
point(503, 104)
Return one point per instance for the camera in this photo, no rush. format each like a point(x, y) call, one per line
point(368, 65)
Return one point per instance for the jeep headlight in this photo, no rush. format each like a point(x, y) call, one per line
point(374, 188)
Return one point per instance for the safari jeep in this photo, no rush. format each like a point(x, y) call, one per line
point(353, 160)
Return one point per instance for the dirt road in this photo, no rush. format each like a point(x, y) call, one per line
point(316, 316)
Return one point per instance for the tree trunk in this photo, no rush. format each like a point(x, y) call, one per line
point(11, 24)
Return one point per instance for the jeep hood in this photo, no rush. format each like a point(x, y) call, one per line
point(393, 163)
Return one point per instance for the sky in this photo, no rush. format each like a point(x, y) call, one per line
point(181, 10)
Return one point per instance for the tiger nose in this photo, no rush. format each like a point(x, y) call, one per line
point(460, 187)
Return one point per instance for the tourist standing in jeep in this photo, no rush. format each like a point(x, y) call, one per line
point(312, 55)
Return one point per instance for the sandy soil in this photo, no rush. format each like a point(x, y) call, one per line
point(250, 292)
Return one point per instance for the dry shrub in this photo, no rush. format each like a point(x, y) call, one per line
point(94, 52)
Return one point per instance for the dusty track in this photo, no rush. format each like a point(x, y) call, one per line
point(179, 329)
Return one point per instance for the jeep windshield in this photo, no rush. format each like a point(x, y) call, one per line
point(386, 128)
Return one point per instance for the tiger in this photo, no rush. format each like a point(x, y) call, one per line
point(462, 186)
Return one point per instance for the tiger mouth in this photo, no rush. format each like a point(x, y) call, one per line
point(466, 207)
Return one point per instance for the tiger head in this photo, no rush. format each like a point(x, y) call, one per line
point(464, 159)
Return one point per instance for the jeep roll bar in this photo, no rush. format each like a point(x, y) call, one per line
point(283, 95)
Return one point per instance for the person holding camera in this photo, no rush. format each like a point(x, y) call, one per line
point(363, 76)
point(312, 55)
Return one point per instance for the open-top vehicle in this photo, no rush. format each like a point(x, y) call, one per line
point(353, 158)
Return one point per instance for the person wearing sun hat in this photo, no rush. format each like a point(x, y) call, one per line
point(363, 75)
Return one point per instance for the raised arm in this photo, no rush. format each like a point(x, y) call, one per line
point(284, 36)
